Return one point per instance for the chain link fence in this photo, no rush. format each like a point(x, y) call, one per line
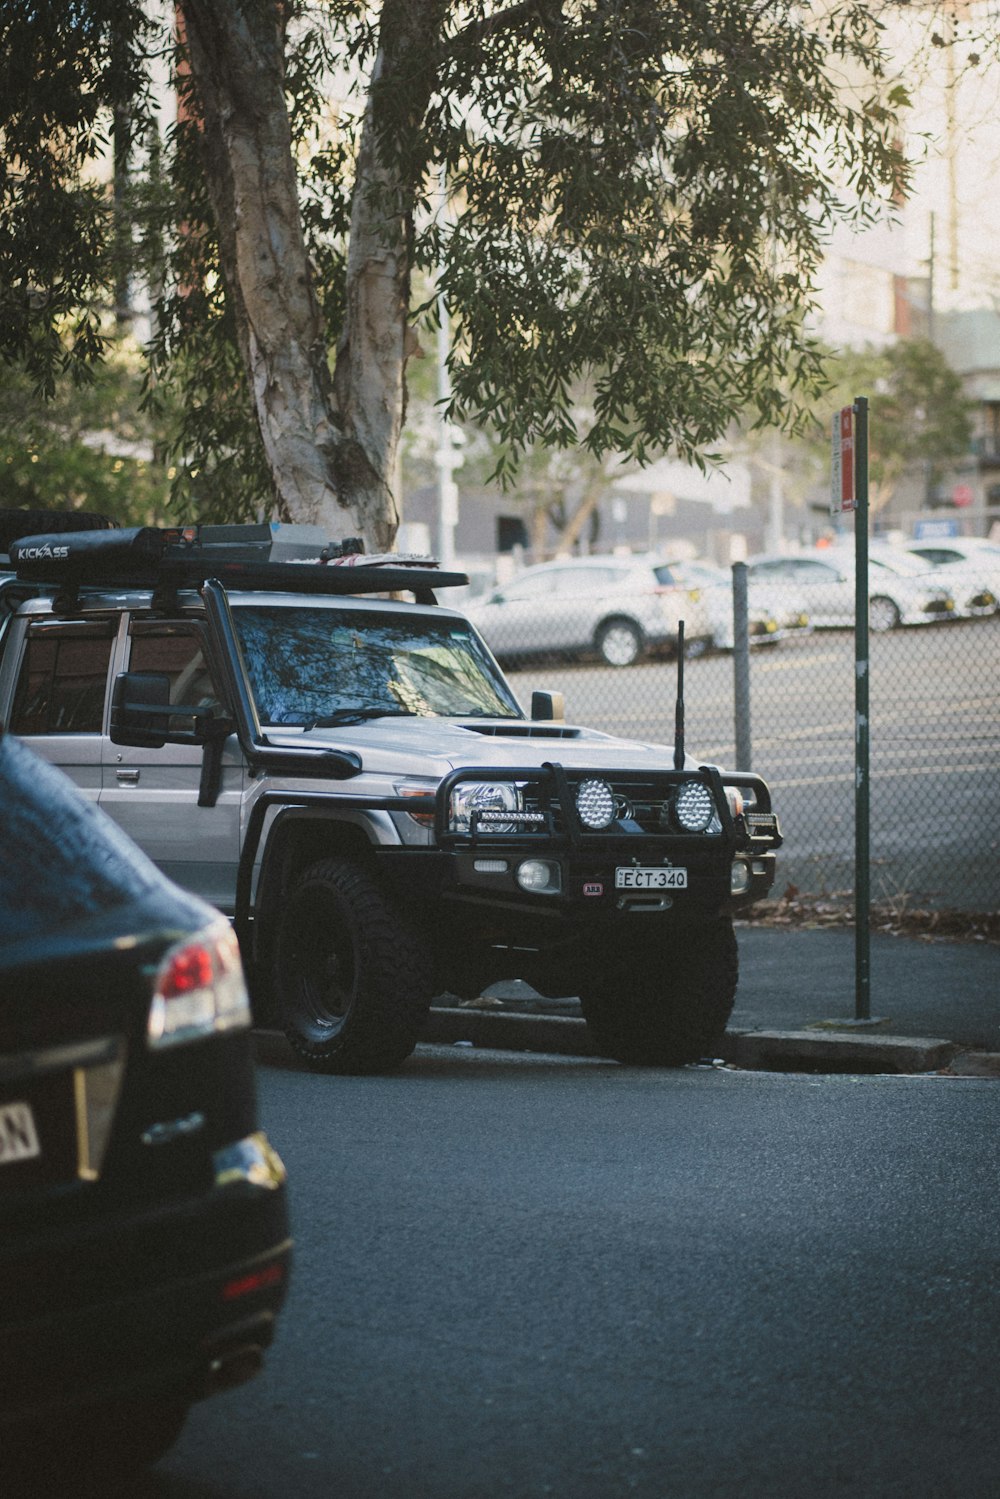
point(934, 746)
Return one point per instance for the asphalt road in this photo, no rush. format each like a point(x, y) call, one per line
point(935, 748)
point(522, 1276)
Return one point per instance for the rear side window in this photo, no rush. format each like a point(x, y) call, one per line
point(63, 680)
point(178, 650)
point(574, 582)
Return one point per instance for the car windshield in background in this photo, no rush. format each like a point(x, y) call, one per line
point(902, 563)
point(310, 665)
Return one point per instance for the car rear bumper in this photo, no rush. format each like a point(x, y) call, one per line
point(178, 1298)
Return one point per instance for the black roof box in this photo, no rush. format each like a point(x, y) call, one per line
point(17, 523)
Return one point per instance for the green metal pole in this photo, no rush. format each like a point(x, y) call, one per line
point(862, 783)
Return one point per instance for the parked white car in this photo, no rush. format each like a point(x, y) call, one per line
point(970, 565)
point(773, 614)
point(900, 590)
point(618, 608)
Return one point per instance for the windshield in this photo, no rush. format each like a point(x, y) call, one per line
point(310, 665)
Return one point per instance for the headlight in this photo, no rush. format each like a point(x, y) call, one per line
point(199, 989)
point(487, 798)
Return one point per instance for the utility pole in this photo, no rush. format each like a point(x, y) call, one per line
point(930, 283)
point(447, 457)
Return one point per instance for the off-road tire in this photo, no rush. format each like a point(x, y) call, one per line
point(351, 978)
point(619, 642)
point(666, 1003)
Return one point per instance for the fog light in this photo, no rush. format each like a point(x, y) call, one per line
point(694, 807)
point(739, 879)
point(540, 876)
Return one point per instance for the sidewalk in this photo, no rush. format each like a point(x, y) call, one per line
point(935, 1006)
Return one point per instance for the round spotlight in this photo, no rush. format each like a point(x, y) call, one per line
point(595, 804)
point(694, 807)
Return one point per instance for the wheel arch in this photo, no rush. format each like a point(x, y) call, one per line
point(296, 839)
point(619, 617)
point(884, 619)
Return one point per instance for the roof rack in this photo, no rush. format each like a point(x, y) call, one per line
point(240, 557)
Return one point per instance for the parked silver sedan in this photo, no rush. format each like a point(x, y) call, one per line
point(900, 590)
point(618, 608)
point(772, 613)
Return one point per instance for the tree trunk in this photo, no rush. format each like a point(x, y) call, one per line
point(595, 488)
point(236, 57)
point(330, 444)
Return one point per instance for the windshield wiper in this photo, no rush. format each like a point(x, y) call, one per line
point(353, 715)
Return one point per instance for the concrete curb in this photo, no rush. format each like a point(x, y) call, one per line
point(822, 1050)
point(828, 1051)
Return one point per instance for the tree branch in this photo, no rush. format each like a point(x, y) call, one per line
point(509, 19)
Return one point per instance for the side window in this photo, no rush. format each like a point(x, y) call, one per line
point(63, 680)
point(814, 572)
point(583, 581)
point(532, 587)
point(177, 650)
point(773, 572)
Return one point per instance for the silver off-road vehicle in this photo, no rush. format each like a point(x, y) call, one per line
point(351, 778)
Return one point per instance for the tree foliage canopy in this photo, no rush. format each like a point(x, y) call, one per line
point(639, 194)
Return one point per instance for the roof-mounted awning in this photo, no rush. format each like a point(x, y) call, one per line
point(238, 556)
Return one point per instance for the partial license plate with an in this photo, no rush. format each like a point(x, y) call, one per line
point(18, 1136)
point(651, 877)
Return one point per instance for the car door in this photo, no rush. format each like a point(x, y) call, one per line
point(59, 694)
point(523, 617)
point(153, 793)
point(583, 596)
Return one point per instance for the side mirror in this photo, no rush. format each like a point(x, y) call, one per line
point(141, 712)
point(548, 707)
point(140, 709)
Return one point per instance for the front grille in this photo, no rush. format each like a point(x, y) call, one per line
point(641, 806)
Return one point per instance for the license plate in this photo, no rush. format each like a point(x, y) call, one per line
point(651, 877)
point(18, 1136)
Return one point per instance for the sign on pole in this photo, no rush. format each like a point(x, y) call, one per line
point(843, 491)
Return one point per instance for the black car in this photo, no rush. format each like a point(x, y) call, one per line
point(144, 1245)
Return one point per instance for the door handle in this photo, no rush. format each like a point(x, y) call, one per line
point(128, 777)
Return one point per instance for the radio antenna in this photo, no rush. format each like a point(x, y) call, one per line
point(679, 708)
